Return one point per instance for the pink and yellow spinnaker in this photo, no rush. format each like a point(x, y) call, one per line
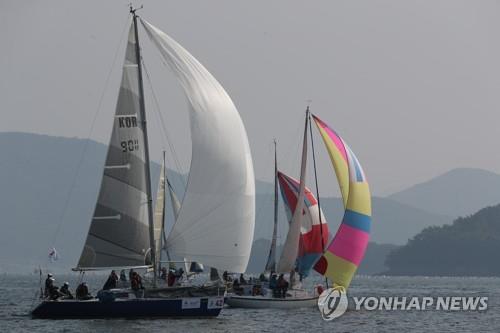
point(343, 255)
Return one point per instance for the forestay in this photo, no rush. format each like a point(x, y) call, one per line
point(217, 216)
point(119, 233)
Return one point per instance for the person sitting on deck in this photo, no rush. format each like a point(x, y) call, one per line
point(273, 281)
point(65, 292)
point(163, 273)
point(238, 290)
point(262, 277)
point(257, 290)
point(179, 274)
point(171, 277)
point(53, 290)
point(242, 279)
point(111, 281)
point(82, 292)
point(136, 282)
point(123, 276)
point(282, 286)
point(54, 293)
point(48, 285)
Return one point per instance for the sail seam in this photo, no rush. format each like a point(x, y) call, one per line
point(121, 181)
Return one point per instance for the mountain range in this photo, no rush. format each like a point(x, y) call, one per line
point(48, 188)
point(468, 247)
point(459, 192)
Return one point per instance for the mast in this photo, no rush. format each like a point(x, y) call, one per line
point(271, 259)
point(317, 187)
point(163, 238)
point(275, 230)
point(146, 147)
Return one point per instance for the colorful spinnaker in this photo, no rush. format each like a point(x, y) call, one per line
point(313, 233)
point(347, 249)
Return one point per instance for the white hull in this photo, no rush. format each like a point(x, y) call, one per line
point(263, 302)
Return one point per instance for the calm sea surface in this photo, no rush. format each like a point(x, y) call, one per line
point(17, 298)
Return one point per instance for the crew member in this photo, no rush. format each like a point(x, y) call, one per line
point(65, 292)
point(82, 292)
point(111, 281)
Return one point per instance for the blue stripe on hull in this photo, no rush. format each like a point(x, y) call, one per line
point(121, 308)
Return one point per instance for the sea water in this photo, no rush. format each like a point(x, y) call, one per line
point(17, 298)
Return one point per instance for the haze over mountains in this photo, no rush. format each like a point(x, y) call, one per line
point(458, 192)
point(37, 172)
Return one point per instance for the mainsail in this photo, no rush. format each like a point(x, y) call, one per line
point(217, 216)
point(119, 231)
point(291, 246)
point(346, 251)
point(312, 228)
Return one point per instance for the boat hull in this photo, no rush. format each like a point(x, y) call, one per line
point(130, 308)
point(262, 302)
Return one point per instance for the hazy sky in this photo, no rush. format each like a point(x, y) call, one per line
point(413, 86)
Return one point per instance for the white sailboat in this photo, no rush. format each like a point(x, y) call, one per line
point(216, 218)
point(306, 245)
point(287, 261)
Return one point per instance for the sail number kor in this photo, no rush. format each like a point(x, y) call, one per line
point(128, 122)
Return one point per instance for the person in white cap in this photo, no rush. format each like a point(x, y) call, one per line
point(49, 282)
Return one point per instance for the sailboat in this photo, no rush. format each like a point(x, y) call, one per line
point(215, 221)
point(306, 245)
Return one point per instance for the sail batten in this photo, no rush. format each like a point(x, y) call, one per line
point(216, 220)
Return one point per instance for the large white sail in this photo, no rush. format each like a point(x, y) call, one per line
point(119, 232)
point(291, 246)
point(216, 220)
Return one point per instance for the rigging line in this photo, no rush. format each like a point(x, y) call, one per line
point(317, 187)
point(85, 147)
point(164, 128)
point(316, 180)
